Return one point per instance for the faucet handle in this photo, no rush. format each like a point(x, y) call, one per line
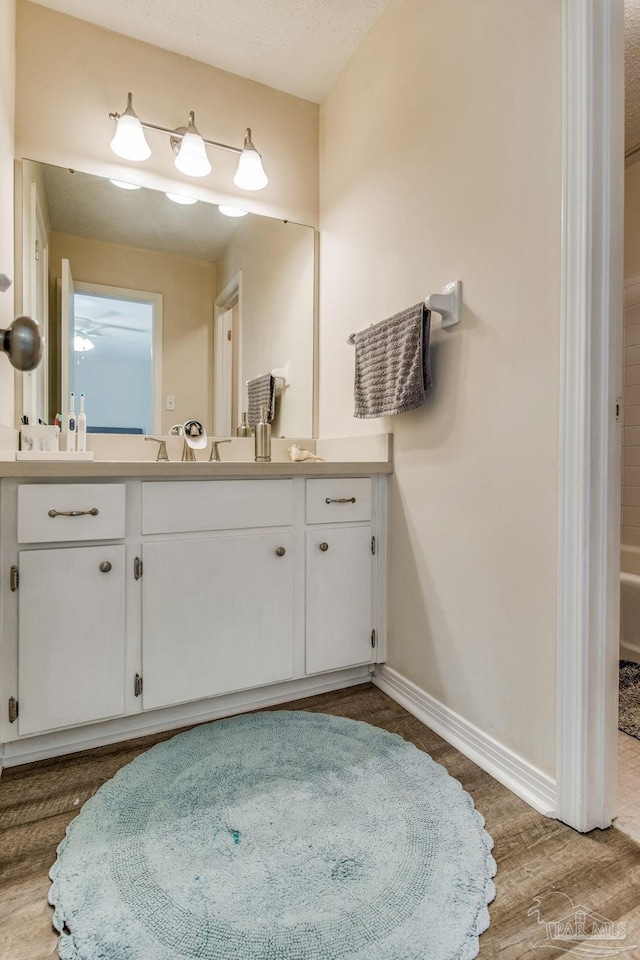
point(215, 453)
point(162, 448)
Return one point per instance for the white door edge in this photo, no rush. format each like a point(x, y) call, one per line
point(589, 477)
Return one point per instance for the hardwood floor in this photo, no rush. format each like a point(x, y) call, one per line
point(600, 870)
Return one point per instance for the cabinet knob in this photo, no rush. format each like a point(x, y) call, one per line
point(280, 551)
point(324, 547)
point(105, 566)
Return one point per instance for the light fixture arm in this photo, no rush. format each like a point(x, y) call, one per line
point(180, 132)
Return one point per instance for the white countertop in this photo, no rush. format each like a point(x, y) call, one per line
point(178, 470)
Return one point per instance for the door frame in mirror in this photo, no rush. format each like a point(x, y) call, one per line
point(122, 293)
point(222, 358)
point(35, 269)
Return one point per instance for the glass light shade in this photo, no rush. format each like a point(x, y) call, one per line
point(179, 198)
point(192, 156)
point(125, 186)
point(231, 211)
point(250, 174)
point(82, 344)
point(130, 142)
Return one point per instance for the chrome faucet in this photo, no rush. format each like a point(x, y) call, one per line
point(187, 451)
point(215, 453)
point(162, 448)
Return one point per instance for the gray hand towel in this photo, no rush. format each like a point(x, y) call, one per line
point(392, 364)
point(262, 393)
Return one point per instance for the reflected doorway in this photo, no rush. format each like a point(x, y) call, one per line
point(227, 359)
point(111, 353)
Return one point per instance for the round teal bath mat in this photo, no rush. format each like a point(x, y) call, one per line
point(276, 836)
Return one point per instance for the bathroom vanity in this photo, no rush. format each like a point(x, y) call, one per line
point(138, 597)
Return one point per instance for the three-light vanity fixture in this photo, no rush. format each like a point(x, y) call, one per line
point(189, 146)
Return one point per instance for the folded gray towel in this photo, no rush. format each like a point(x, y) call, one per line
point(392, 364)
point(262, 393)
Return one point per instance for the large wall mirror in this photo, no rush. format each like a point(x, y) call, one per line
point(160, 311)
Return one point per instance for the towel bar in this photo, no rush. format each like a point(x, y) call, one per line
point(281, 373)
point(448, 303)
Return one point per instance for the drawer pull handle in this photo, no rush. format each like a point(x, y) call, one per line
point(324, 547)
point(280, 551)
point(340, 500)
point(105, 566)
point(74, 513)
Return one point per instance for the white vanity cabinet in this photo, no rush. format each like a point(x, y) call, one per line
point(340, 629)
point(340, 614)
point(217, 607)
point(70, 605)
point(71, 636)
point(148, 603)
point(217, 616)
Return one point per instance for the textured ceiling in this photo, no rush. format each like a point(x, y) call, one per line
point(300, 46)
point(632, 74)
point(86, 206)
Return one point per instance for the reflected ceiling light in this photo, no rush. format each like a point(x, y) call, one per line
point(124, 186)
point(250, 174)
point(129, 141)
point(189, 146)
point(82, 344)
point(231, 211)
point(179, 198)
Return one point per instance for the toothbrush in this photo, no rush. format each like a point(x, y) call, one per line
point(71, 424)
point(82, 427)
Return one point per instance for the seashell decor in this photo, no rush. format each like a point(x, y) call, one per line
point(298, 454)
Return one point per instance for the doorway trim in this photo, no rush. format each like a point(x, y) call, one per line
point(230, 296)
point(590, 383)
point(144, 296)
point(35, 264)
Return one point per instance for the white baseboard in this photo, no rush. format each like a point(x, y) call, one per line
point(72, 740)
point(518, 775)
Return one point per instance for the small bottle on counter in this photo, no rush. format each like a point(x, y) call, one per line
point(244, 430)
point(263, 438)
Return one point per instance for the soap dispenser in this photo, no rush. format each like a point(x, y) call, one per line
point(244, 429)
point(263, 438)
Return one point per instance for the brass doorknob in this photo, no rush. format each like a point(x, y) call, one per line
point(105, 566)
point(324, 547)
point(281, 551)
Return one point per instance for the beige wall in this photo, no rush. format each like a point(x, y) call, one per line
point(441, 160)
point(71, 74)
point(188, 289)
point(7, 97)
point(277, 264)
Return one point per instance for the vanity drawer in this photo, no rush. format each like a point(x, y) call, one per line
point(189, 506)
point(57, 512)
point(333, 501)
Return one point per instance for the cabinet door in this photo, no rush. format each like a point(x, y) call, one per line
point(217, 616)
point(338, 615)
point(71, 636)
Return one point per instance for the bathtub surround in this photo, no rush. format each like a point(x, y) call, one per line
point(630, 603)
point(373, 850)
point(631, 409)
